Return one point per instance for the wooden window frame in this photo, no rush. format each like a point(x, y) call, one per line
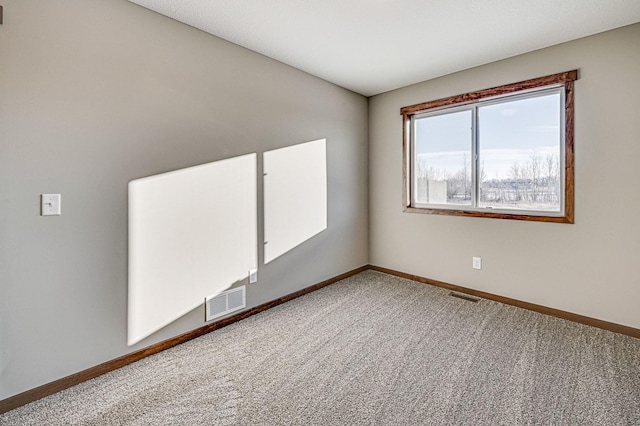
point(564, 79)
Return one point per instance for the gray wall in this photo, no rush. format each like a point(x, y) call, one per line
point(589, 268)
point(96, 93)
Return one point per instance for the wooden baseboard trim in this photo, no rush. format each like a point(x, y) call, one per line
point(98, 370)
point(605, 325)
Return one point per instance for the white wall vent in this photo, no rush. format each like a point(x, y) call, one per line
point(224, 303)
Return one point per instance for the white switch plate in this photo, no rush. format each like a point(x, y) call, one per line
point(253, 276)
point(477, 263)
point(50, 205)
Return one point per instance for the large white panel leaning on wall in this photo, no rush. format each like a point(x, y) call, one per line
point(192, 233)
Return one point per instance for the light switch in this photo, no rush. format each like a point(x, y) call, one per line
point(50, 205)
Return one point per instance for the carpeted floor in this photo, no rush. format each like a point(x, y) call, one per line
point(370, 350)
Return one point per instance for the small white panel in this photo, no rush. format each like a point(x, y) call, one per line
point(295, 196)
point(50, 204)
point(191, 232)
point(253, 276)
point(477, 263)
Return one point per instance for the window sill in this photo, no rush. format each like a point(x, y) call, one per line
point(566, 218)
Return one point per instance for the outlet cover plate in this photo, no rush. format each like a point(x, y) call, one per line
point(477, 262)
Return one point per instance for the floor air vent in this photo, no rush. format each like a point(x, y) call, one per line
point(224, 303)
point(464, 297)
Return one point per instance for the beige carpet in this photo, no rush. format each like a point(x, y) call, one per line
point(370, 350)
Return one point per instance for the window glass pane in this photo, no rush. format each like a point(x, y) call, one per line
point(519, 148)
point(442, 168)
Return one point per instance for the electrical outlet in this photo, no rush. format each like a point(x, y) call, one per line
point(477, 262)
point(253, 276)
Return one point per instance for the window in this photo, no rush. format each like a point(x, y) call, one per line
point(505, 152)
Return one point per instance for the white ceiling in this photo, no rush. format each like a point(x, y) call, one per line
point(372, 46)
